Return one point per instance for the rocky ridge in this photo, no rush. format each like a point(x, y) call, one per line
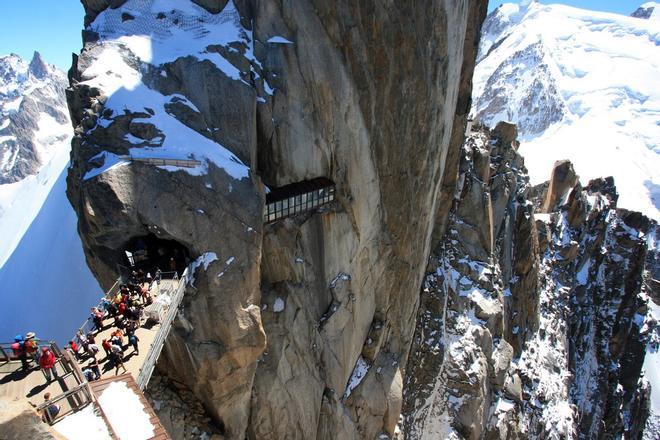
point(532, 324)
point(299, 329)
point(33, 115)
point(647, 11)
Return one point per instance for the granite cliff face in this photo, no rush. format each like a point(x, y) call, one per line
point(301, 328)
point(533, 324)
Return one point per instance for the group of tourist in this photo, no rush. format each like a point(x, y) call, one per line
point(125, 308)
point(27, 350)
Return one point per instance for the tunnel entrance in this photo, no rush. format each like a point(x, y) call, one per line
point(150, 253)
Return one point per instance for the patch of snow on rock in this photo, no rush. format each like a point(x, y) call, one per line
point(359, 372)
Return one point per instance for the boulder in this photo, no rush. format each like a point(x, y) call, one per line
point(505, 132)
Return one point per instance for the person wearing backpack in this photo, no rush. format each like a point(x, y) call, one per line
point(18, 347)
point(31, 346)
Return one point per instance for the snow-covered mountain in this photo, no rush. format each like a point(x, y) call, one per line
point(33, 115)
point(34, 142)
point(581, 85)
point(41, 258)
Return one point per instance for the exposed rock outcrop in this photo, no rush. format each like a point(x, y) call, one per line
point(18, 421)
point(373, 96)
point(543, 334)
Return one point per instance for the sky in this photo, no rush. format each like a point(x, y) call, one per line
point(53, 27)
point(625, 7)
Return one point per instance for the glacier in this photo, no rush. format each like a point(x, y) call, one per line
point(581, 85)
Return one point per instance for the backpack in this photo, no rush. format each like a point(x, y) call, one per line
point(18, 348)
point(89, 375)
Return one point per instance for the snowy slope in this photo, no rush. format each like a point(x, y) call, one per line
point(582, 85)
point(46, 284)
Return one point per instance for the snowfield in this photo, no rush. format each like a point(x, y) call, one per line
point(595, 75)
point(150, 40)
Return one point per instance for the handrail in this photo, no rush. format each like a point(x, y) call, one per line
point(80, 388)
point(70, 366)
point(156, 347)
point(106, 296)
point(163, 161)
point(8, 352)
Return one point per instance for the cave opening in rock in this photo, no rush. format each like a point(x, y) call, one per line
point(150, 253)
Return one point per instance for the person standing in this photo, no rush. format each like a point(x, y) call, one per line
point(106, 346)
point(94, 366)
point(93, 350)
point(31, 346)
point(74, 349)
point(18, 348)
point(133, 340)
point(97, 318)
point(47, 363)
point(82, 339)
point(117, 358)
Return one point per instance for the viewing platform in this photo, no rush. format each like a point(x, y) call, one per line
point(71, 392)
point(295, 198)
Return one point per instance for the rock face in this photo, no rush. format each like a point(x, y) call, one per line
point(21, 422)
point(298, 329)
point(33, 118)
point(646, 11)
point(532, 325)
point(509, 94)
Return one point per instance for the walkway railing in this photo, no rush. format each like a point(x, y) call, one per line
point(88, 325)
point(71, 400)
point(157, 161)
point(157, 346)
point(7, 353)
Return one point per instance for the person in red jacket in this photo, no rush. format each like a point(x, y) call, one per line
point(106, 346)
point(47, 363)
point(74, 349)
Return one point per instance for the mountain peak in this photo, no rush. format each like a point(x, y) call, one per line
point(648, 10)
point(38, 67)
